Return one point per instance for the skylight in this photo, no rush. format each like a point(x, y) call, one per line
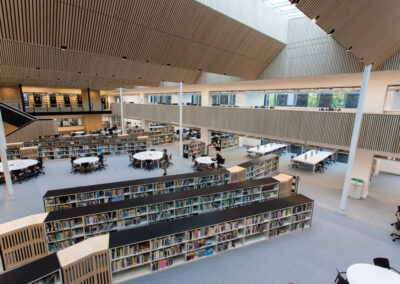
point(284, 7)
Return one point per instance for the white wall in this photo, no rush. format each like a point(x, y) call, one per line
point(185, 99)
point(388, 166)
point(253, 100)
point(207, 77)
point(247, 141)
point(253, 13)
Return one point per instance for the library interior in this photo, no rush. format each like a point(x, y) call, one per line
point(200, 141)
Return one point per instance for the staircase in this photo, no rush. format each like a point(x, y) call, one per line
point(20, 126)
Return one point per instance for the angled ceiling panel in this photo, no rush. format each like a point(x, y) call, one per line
point(370, 27)
point(182, 33)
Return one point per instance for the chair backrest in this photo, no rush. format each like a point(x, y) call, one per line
point(340, 279)
point(382, 262)
point(170, 156)
point(152, 149)
point(85, 165)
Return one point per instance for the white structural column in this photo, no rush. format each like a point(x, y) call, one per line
point(206, 99)
point(180, 121)
point(3, 154)
point(121, 103)
point(354, 138)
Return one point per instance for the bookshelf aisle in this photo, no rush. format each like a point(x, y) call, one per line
point(68, 227)
point(67, 198)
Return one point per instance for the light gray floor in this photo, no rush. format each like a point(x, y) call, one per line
point(309, 256)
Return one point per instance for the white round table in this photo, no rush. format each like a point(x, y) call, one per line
point(148, 155)
point(78, 133)
point(90, 160)
point(205, 160)
point(362, 273)
point(14, 165)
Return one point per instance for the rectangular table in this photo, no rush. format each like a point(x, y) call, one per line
point(311, 157)
point(267, 148)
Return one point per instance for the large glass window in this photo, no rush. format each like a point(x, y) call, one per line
point(351, 100)
point(68, 122)
point(325, 100)
point(223, 100)
point(301, 100)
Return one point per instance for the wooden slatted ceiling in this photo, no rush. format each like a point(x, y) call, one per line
point(371, 27)
point(182, 33)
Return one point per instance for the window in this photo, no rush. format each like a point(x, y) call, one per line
point(338, 100)
point(281, 99)
point(325, 100)
point(224, 100)
point(351, 100)
point(196, 100)
point(312, 100)
point(301, 100)
point(68, 122)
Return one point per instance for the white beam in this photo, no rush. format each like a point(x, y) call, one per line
point(354, 138)
point(3, 155)
point(180, 121)
point(122, 111)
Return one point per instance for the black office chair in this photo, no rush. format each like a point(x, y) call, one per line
point(340, 279)
point(131, 160)
point(33, 172)
point(152, 149)
point(384, 263)
point(40, 166)
point(148, 165)
point(169, 160)
point(85, 168)
point(397, 214)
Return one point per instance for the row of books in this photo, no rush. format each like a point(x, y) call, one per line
point(167, 241)
point(167, 252)
point(130, 250)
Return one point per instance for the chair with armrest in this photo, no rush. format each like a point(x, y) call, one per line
point(169, 160)
point(85, 168)
point(396, 225)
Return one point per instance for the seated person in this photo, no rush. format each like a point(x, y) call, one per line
point(219, 159)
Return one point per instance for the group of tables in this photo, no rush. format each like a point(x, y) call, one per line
point(312, 157)
point(267, 148)
point(154, 156)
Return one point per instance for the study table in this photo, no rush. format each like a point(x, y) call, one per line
point(148, 155)
point(267, 148)
point(77, 133)
point(205, 160)
point(90, 160)
point(22, 164)
point(363, 273)
point(311, 157)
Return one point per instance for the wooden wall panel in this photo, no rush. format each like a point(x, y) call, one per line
point(22, 246)
point(94, 269)
point(33, 130)
point(370, 27)
point(183, 33)
point(379, 132)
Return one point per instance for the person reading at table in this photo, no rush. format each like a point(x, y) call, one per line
point(219, 159)
point(165, 161)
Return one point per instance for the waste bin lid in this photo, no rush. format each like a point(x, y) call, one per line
point(357, 180)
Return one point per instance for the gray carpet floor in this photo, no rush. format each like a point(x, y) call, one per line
point(309, 256)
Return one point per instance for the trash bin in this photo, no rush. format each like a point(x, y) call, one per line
point(356, 187)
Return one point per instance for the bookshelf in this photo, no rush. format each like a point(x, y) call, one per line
point(261, 166)
point(29, 152)
point(67, 227)
point(140, 251)
point(67, 198)
point(13, 152)
point(66, 147)
point(161, 134)
point(127, 254)
point(228, 141)
point(193, 147)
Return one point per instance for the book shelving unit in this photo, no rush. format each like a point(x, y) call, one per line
point(13, 152)
point(193, 147)
point(66, 147)
point(259, 167)
point(228, 141)
point(67, 198)
point(67, 227)
point(140, 251)
point(127, 254)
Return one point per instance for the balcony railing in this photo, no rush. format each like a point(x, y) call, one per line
point(61, 108)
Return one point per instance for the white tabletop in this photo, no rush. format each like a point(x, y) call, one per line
point(14, 165)
point(90, 160)
point(267, 148)
point(205, 160)
point(313, 157)
point(362, 273)
point(148, 155)
point(78, 132)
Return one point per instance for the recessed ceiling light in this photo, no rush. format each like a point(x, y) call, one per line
point(147, 60)
point(124, 57)
point(113, 76)
point(79, 72)
point(140, 78)
point(315, 19)
point(331, 32)
point(27, 77)
point(168, 64)
point(224, 73)
point(295, 2)
point(64, 47)
point(348, 49)
point(58, 79)
point(37, 68)
point(362, 58)
point(199, 69)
